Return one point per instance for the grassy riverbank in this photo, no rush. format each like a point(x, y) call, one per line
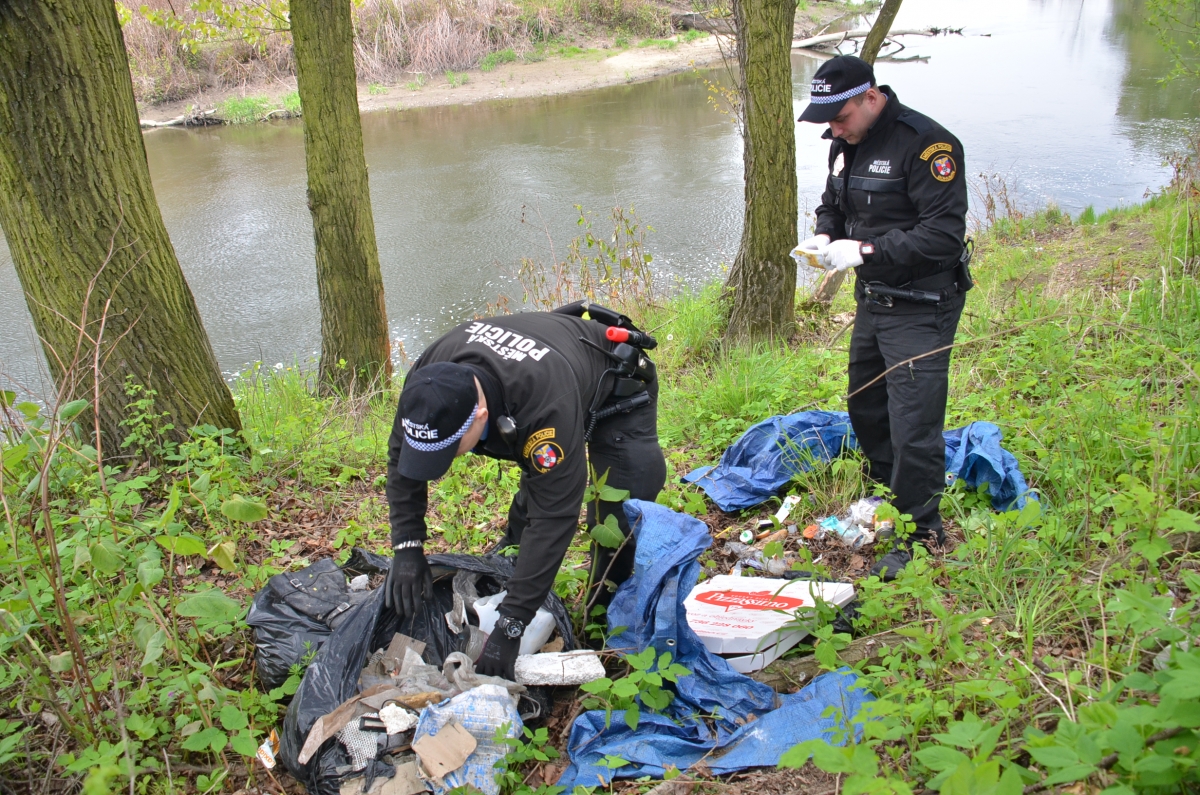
point(1028, 640)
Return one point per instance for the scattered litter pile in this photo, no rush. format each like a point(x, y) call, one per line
point(394, 707)
point(750, 724)
point(755, 467)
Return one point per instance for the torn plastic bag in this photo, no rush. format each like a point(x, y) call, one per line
point(333, 675)
point(294, 615)
point(754, 725)
point(770, 453)
point(481, 712)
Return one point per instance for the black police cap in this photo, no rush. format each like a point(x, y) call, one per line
point(436, 408)
point(835, 82)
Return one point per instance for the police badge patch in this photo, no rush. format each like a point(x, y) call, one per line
point(546, 456)
point(943, 168)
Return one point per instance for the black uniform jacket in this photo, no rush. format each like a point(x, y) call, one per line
point(903, 189)
point(533, 368)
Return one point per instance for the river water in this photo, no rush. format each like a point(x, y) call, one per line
point(1059, 97)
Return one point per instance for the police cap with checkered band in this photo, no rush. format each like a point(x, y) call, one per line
point(835, 82)
point(436, 408)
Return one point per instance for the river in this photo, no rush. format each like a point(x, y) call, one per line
point(1060, 98)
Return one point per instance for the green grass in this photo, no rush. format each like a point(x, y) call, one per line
point(291, 103)
point(692, 35)
point(244, 110)
point(375, 89)
point(494, 59)
point(456, 79)
point(416, 85)
point(662, 44)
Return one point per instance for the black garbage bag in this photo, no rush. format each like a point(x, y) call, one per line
point(332, 676)
point(295, 614)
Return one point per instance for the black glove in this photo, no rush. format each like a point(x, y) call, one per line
point(409, 582)
point(499, 656)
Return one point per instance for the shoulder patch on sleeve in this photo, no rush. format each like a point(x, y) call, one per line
point(938, 147)
point(545, 456)
point(943, 168)
point(534, 438)
point(921, 123)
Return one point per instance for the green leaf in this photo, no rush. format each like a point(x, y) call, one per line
point(15, 455)
point(245, 744)
point(61, 663)
point(1054, 756)
point(642, 660)
point(241, 509)
point(233, 718)
point(1069, 774)
point(609, 494)
point(150, 573)
point(939, 757)
point(632, 716)
point(601, 685)
point(606, 535)
point(154, 649)
point(623, 688)
point(203, 740)
point(211, 604)
point(223, 555)
point(70, 410)
point(30, 410)
point(182, 544)
point(106, 557)
point(7, 396)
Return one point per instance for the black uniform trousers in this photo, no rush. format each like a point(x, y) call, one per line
point(899, 419)
point(626, 447)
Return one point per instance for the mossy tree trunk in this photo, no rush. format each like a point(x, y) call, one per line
point(354, 332)
point(763, 278)
point(879, 30)
point(83, 225)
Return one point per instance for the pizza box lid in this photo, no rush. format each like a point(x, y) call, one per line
point(739, 615)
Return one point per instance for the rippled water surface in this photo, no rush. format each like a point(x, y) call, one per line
point(1059, 97)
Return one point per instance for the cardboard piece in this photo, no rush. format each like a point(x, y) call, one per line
point(370, 700)
point(752, 620)
point(407, 780)
point(445, 751)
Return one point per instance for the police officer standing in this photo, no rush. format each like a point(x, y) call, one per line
point(894, 208)
point(550, 391)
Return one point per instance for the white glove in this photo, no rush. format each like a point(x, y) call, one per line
point(809, 252)
point(841, 255)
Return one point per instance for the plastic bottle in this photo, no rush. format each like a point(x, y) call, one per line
point(850, 534)
point(536, 634)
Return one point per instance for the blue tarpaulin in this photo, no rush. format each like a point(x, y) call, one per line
point(754, 725)
point(755, 467)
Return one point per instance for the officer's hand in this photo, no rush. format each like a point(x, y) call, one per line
point(409, 582)
point(841, 255)
point(814, 244)
point(499, 656)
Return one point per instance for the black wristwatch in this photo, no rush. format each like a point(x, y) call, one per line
point(512, 627)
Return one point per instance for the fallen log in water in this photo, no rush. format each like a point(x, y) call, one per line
point(187, 119)
point(846, 35)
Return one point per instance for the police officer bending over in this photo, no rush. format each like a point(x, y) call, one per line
point(894, 207)
point(538, 389)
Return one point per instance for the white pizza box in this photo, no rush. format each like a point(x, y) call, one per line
point(749, 663)
point(756, 615)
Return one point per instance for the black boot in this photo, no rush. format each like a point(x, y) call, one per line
point(891, 564)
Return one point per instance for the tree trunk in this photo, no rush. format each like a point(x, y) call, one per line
point(354, 332)
point(78, 210)
point(763, 278)
point(879, 31)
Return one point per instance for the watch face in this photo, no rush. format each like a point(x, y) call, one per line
point(512, 627)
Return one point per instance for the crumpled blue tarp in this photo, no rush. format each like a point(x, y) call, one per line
point(754, 724)
point(772, 452)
